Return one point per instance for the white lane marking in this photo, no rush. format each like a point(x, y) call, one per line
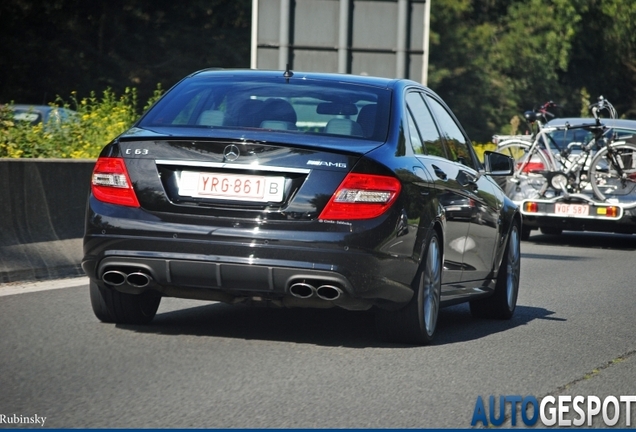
point(11, 288)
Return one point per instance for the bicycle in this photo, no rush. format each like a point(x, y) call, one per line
point(572, 174)
point(612, 171)
point(606, 162)
point(605, 167)
point(532, 154)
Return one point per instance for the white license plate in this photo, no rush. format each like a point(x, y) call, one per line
point(238, 187)
point(572, 209)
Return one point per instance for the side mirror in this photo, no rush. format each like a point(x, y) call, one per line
point(498, 164)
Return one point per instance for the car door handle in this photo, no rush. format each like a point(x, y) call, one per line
point(424, 182)
point(439, 172)
point(467, 180)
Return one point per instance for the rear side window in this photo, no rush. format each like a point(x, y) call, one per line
point(430, 141)
point(298, 106)
point(624, 135)
point(562, 138)
point(456, 141)
point(416, 140)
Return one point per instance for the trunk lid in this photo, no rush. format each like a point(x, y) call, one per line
point(235, 178)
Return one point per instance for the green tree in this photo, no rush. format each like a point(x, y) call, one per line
point(55, 47)
point(494, 59)
point(533, 48)
point(489, 59)
point(461, 43)
point(604, 54)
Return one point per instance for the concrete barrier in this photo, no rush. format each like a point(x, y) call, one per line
point(42, 207)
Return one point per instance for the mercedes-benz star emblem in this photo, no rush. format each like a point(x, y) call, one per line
point(231, 153)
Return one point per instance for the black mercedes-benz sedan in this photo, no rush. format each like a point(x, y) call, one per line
point(301, 190)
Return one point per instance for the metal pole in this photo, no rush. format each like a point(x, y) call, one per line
point(427, 25)
point(343, 37)
point(254, 40)
point(283, 36)
point(402, 38)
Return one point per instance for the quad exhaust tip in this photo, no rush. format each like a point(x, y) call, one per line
point(138, 279)
point(114, 277)
point(304, 290)
point(328, 292)
point(135, 279)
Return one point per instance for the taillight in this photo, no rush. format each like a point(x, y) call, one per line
point(111, 184)
point(532, 167)
point(610, 211)
point(362, 196)
point(531, 207)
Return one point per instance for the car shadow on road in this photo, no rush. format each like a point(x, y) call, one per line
point(325, 327)
point(456, 324)
point(595, 240)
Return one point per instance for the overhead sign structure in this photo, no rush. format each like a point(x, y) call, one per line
point(387, 38)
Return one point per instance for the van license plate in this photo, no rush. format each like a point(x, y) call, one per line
point(572, 209)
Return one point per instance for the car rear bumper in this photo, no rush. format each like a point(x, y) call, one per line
point(572, 224)
point(599, 216)
point(234, 263)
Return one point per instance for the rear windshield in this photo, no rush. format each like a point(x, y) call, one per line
point(27, 115)
point(298, 106)
point(571, 137)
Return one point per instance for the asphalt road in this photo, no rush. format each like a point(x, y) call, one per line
point(215, 366)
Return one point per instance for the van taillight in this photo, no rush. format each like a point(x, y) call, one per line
point(531, 207)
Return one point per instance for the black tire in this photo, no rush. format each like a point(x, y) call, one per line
point(502, 304)
point(551, 231)
point(525, 233)
point(99, 305)
point(112, 306)
point(416, 322)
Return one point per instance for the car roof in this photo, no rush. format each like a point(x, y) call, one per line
point(348, 78)
point(42, 108)
point(576, 121)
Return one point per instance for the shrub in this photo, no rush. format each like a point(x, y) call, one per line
point(481, 148)
point(96, 122)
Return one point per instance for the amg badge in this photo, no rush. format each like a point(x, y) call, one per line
point(327, 164)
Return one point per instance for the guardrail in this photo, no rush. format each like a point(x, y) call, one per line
point(42, 208)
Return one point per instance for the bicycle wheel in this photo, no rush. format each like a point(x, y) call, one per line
point(613, 172)
point(527, 182)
